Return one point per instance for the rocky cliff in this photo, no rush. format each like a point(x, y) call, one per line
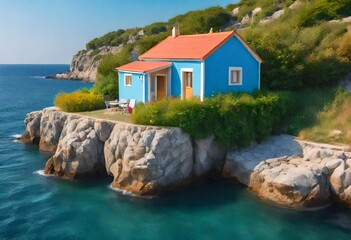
point(85, 63)
point(143, 160)
point(146, 160)
point(293, 173)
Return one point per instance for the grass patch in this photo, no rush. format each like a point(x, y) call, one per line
point(332, 124)
point(101, 114)
point(309, 103)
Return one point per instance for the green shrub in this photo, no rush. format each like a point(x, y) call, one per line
point(155, 28)
point(148, 42)
point(233, 118)
point(193, 116)
point(324, 10)
point(295, 57)
point(106, 85)
point(79, 101)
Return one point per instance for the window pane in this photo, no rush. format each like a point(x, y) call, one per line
point(234, 80)
point(189, 77)
point(235, 76)
point(128, 80)
point(152, 89)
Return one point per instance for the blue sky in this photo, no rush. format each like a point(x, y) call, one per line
point(52, 31)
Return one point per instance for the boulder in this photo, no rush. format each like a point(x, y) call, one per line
point(146, 160)
point(79, 152)
point(256, 11)
point(340, 182)
point(32, 132)
point(278, 14)
point(51, 125)
point(274, 16)
point(235, 11)
point(290, 186)
point(276, 170)
point(103, 129)
point(240, 164)
point(246, 19)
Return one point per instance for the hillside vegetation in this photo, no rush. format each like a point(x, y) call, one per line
point(306, 48)
point(300, 49)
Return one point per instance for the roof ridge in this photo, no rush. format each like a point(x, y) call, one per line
point(205, 34)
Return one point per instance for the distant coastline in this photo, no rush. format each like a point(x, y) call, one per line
point(57, 76)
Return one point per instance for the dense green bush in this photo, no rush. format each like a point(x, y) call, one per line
point(233, 118)
point(297, 52)
point(296, 58)
point(201, 21)
point(107, 78)
point(155, 28)
point(324, 10)
point(115, 38)
point(79, 101)
point(106, 85)
point(148, 42)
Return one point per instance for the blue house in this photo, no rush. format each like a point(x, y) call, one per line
point(191, 65)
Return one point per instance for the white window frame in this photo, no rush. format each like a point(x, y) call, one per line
point(125, 79)
point(240, 82)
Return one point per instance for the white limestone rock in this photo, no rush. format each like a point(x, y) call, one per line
point(246, 19)
point(32, 122)
point(51, 125)
point(79, 152)
point(294, 173)
point(256, 11)
point(235, 11)
point(145, 161)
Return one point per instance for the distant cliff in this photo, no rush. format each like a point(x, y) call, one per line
point(84, 64)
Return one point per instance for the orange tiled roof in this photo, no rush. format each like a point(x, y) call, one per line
point(143, 67)
point(197, 46)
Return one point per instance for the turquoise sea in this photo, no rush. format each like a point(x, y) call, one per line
point(37, 207)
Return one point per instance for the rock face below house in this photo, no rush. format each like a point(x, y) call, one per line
point(143, 160)
point(146, 160)
point(79, 151)
point(293, 173)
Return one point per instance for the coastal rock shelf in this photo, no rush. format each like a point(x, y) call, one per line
point(146, 160)
point(293, 173)
point(143, 160)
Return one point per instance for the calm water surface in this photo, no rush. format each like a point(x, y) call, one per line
point(37, 207)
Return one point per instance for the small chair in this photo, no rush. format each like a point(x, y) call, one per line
point(129, 108)
point(123, 103)
point(110, 104)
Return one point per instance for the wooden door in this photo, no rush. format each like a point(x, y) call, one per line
point(161, 87)
point(187, 85)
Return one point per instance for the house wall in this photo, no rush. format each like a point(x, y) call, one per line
point(136, 90)
point(231, 54)
point(177, 76)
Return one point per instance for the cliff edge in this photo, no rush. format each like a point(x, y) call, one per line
point(147, 160)
point(143, 160)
